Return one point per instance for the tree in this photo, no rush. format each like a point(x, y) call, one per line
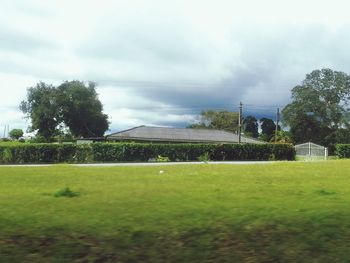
point(281, 137)
point(197, 126)
point(251, 126)
point(343, 134)
point(81, 110)
point(41, 108)
point(15, 134)
point(220, 120)
point(71, 105)
point(268, 128)
point(319, 108)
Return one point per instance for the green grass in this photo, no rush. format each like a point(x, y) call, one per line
point(282, 212)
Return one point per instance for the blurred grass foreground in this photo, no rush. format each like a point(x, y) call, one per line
point(280, 212)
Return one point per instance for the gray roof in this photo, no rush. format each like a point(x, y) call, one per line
point(146, 133)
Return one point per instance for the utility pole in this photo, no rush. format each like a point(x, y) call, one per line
point(277, 121)
point(240, 121)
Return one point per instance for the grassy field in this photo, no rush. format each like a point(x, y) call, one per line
point(281, 212)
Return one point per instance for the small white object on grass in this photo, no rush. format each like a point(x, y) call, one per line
point(161, 171)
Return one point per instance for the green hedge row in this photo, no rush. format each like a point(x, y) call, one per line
point(343, 150)
point(133, 152)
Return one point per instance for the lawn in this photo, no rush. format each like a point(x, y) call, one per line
point(281, 212)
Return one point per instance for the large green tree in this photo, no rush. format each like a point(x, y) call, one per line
point(268, 128)
point(81, 110)
point(221, 120)
point(319, 108)
point(251, 126)
point(42, 109)
point(15, 134)
point(72, 104)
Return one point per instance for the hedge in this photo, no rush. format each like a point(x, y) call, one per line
point(140, 152)
point(343, 150)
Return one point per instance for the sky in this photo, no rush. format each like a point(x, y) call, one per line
point(161, 62)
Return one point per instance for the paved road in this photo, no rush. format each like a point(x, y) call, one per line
point(140, 164)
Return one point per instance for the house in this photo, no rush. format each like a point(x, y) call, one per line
point(177, 135)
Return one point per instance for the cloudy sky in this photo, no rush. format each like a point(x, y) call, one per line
point(160, 62)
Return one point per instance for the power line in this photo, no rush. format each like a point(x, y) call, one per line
point(211, 107)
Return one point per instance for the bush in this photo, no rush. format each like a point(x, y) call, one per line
point(45, 153)
point(204, 157)
point(162, 159)
point(66, 192)
point(343, 150)
point(140, 152)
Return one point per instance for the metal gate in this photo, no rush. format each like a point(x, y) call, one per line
point(311, 150)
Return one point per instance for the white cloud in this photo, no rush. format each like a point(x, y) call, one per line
point(160, 62)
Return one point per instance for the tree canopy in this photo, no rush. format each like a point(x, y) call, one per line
point(15, 134)
point(72, 104)
point(81, 110)
point(268, 128)
point(221, 120)
point(42, 109)
point(251, 126)
point(319, 109)
point(281, 137)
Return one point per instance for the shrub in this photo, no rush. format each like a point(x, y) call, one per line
point(66, 192)
point(343, 150)
point(7, 155)
point(37, 153)
point(204, 157)
point(162, 159)
point(142, 152)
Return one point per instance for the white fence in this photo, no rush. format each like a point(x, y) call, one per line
point(311, 150)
